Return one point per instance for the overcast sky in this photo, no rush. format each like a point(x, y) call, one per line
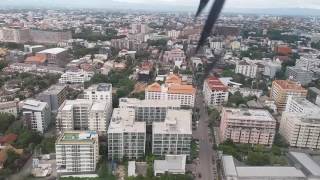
point(314, 4)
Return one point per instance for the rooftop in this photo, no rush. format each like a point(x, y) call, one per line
point(125, 102)
point(78, 137)
point(52, 51)
point(255, 172)
point(215, 84)
point(176, 122)
point(34, 105)
point(289, 85)
point(248, 114)
point(306, 161)
point(101, 87)
point(55, 89)
point(171, 163)
point(123, 120)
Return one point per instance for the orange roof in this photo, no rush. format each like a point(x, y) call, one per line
point(215, 84)
point(173, 79)
point(289, 85)
point(39, 59)
point(181, 89)
point(284, 50)
point(155, 87)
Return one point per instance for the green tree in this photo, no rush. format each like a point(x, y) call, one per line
point(6, 120)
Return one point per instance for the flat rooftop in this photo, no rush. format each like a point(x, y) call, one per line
point(55, 89)
point(248, 114)
point(34, 105)
point(123, 120)
point(308, 163)
point(100, 87)
point(78, 137)
point(176, 122)
point(52, 51)
point(251, 172)
point(125, 102)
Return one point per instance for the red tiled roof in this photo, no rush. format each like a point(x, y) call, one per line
point(9, 138)
point(215, 84)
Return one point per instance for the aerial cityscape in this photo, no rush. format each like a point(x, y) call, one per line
point(133, 93)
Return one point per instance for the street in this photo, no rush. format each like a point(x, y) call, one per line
point(205, 168)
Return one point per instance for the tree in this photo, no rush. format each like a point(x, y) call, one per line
point(258, 159)
point(11, 161)
point(6, 120)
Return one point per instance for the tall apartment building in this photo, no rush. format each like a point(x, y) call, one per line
point(54, 96)
point(126, 138)
point(247, 68)
point(120, 43)
point(74, 77)
point(82, 114)
point(173, 136)
point(281, 89)
point(149, 111)
point(36, 115)
point(301, 130)
point(101, 92)
point(10, 107)
point(173, 89)
point(298, 105)
point(215, 92)
point(299, 75)
point(314, 95)
point(14, 35)
point(247, 126)
point(308, 63)
point(55, 56)
point(77, 152)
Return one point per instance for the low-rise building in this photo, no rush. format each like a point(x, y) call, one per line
point(77, 152)
point(173, 164)
point(173, 136)
point(149, 111)
point(55, 56)
point(36, 115)
point(126, 138)
point(247, 126)
point(314, 95)
point(215, 92)
point(232, 172)
point(10, 107)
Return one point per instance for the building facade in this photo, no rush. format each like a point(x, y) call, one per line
point(101, 92)
point(75, 77)
point(247, 126)
point(281, 89)
point(126, 138)
point(301, 76)
point(10, 107)
point(82, 114)
point(54, 96)
point(149, 111)
point(173, 136)
point(36, 115)
point(215, 92)
point(301, 130)
point(77, 152)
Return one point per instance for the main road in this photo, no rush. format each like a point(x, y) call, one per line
point(205, 166)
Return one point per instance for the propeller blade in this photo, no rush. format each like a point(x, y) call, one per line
point(202, 5)
point(212, 19)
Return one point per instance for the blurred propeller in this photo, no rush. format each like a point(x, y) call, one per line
point(202, 5)
point(212, 19)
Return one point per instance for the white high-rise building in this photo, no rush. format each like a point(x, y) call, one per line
point(301, 130)
point(82, 114)
point(249, 68)
point(77, 152)
point(36, 115)
point(299, 105)
point(173, 136)
point(149, 111)
point(75, 77)
point(101, 92)
point(126, 138)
